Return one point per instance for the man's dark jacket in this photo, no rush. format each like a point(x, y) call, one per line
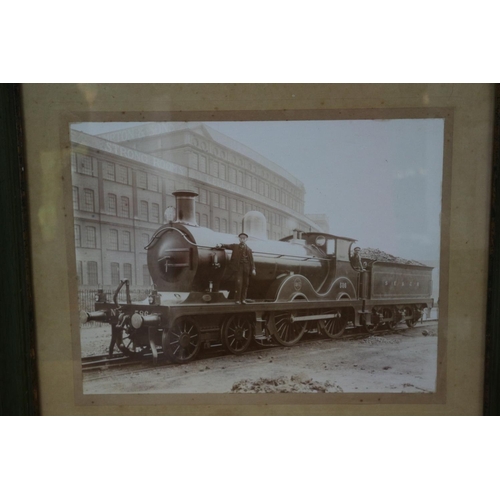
point(236, 256)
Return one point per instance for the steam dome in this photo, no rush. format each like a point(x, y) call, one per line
point(254, 224)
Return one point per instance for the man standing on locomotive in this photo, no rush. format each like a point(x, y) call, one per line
point(242, 265)
point(356, 260)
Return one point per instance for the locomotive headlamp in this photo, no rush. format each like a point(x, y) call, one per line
point(320, 241)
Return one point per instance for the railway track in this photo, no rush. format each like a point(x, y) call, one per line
point(104, 362)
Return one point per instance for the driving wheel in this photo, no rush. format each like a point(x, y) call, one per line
point(332, 327)
point(284, 330)
point(182, 342)
point(237, 334)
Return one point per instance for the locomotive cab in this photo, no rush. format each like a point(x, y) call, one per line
point(342, 278)
point(330, 245)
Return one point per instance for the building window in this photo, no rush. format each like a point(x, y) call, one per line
point(240, 207)
point(203, 164)
point(222, 171)
point(141, 180)
point(204, 220)
point(233, 205)
point(108, 171)
point(92, 277)
point(76, 199)
point(217, 225)
point(194, 161)
point(78, 236)
point(127, 272)
point(79, 271)
point(235, 228)
point(85, 164)
point(203, 196)
point(214, 168)
point(89, 200)
point(91, 239)
point(121, 174)
point(125, 208)
point(155, 212)
point(248, 182)
point(144, 210)
point(223, 228)
point(169, 186)
point(222, 202)
point(112, 204)
point(115, 273)
point(254, 184)
point(73, 162)
point(126, 241)
point(113, 239)
point(215, 200)
point(152, 182)
point(239, 177)
point(146, 277)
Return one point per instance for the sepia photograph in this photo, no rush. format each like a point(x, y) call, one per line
point(225, 257)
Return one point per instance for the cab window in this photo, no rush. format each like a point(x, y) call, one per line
point(330, 247)
point(343, 250)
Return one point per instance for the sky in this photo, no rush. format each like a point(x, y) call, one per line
point(378, 181)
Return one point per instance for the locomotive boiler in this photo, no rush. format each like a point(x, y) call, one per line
point(303, 282)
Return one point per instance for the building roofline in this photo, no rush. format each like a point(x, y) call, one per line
point(100, 144)
point(154, 129)
point(116, 149)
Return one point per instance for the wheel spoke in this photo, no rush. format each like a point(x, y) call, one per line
point(332, 327)
point(182, 342)
point(129, 341)
point(283, 330)
point(236, 334)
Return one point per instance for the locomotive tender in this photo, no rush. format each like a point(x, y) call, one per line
point(303, 282)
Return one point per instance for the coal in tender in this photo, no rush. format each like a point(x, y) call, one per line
point(372, 254)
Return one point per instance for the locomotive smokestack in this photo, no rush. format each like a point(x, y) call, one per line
point(185, 202)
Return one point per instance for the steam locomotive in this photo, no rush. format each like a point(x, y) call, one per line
point(304, 282)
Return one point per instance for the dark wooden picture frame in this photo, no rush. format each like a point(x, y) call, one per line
point(18, 387)
point(18, 378)
point(491, 405)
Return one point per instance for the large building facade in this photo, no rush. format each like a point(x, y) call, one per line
point(122, 191)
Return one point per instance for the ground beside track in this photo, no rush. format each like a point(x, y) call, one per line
point(405, 361)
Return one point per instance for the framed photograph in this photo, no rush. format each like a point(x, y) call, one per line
point(318, 249)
